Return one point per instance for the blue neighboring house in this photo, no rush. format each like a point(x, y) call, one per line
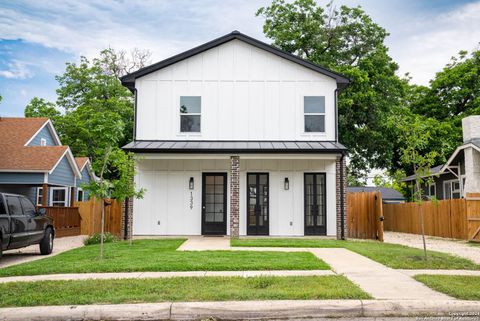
point(34, 163)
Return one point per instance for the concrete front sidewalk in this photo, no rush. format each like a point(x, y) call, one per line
point(32, 253)
point(379, 281)
point(248, 310)
point(153, 275)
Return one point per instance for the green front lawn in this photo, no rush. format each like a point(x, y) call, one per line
point(161, 255)
point(177, 289)
point(458, 286)
point(392, 255)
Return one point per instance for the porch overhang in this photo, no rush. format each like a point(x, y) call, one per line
point(235, 147)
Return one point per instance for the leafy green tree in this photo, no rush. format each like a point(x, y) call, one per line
point(97, 111)
point(416, 136)
point(348, 41)
point(39, 107)
point(119, 188)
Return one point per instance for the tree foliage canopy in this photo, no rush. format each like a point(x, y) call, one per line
point(345, 40)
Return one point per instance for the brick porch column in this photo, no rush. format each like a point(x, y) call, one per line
point(341, 170)
point(234, 196)
point(127, 218)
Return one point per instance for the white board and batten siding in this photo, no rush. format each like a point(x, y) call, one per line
point(246, 93)
point(170, 208)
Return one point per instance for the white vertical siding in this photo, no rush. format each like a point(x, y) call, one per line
point(168, 197)
point(247, 94)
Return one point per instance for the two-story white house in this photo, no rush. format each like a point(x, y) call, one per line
point(236, 137)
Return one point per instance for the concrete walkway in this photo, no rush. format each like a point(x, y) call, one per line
point(379, 281)
point(32, 253)
point(155, 275)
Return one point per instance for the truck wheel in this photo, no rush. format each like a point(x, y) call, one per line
point(46, 245)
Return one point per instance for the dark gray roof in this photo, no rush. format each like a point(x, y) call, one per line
point(222, 146)
point(433, 171)
point(129, 80)
point(387, 193)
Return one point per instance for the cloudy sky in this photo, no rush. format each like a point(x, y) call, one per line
point(38, 37)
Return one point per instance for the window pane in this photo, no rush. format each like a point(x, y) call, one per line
point(28, 208)
point(189, 123)
point(190, 104)
point(314, 104)
point(314, 123)
point(13, 204)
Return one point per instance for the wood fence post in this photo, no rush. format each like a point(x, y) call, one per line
point(379, 215)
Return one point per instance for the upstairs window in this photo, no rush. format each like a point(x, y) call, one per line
point(190, 114)
point(314, 114)
point(43, 142)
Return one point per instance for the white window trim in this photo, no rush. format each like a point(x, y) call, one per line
point(452, 191)
point(59, 188)
point(324, 114)
point(179, 120)
point(43, 142)
point(38, 194)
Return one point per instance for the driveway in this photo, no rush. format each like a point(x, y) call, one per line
point(450, 246)
point(32, 253)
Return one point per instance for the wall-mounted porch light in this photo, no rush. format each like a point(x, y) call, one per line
point(191, 184)
point(286, 184)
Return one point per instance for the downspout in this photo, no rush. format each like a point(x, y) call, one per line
point(342, 200)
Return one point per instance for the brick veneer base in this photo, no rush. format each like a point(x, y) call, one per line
point(339, 164)
point(130, 219)
point(234, 196)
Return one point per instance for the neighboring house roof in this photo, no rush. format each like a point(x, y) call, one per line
point(169, 146)
point(387, 193)
point(475, 144)
point(16, 156)
point(437, 170)
point(129, 80)
point(81, 162)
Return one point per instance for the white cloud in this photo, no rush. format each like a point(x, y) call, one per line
point(164, 27)
point(426, 44)
point(16, 70)
point(421, 41)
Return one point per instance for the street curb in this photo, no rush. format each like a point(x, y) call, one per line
point(247, 310)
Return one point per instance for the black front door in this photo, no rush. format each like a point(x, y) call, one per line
point(315, 204)
point(214, 204)
point(257, 204)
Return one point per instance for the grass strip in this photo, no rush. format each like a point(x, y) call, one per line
point(464, 287)
point(118, 291)
point(161, 255)
point(392, 255)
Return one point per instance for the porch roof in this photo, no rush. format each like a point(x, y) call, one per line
point(222, 146)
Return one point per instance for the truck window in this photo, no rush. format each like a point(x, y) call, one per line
point(3, 210)
point(28, 208)
point(13, 204)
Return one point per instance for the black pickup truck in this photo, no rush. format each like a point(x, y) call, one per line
point(22, 225)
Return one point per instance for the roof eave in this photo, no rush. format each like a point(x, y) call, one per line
point(129, 79)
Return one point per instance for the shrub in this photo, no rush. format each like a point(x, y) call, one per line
point(95, 238)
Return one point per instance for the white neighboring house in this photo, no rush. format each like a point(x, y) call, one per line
point(236, 137)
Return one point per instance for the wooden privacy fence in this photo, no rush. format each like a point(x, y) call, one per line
point(90, 211)
point(66, 220)
point(364, 215)
point(454, 218)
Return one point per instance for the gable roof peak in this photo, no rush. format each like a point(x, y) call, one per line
point(129, 79)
